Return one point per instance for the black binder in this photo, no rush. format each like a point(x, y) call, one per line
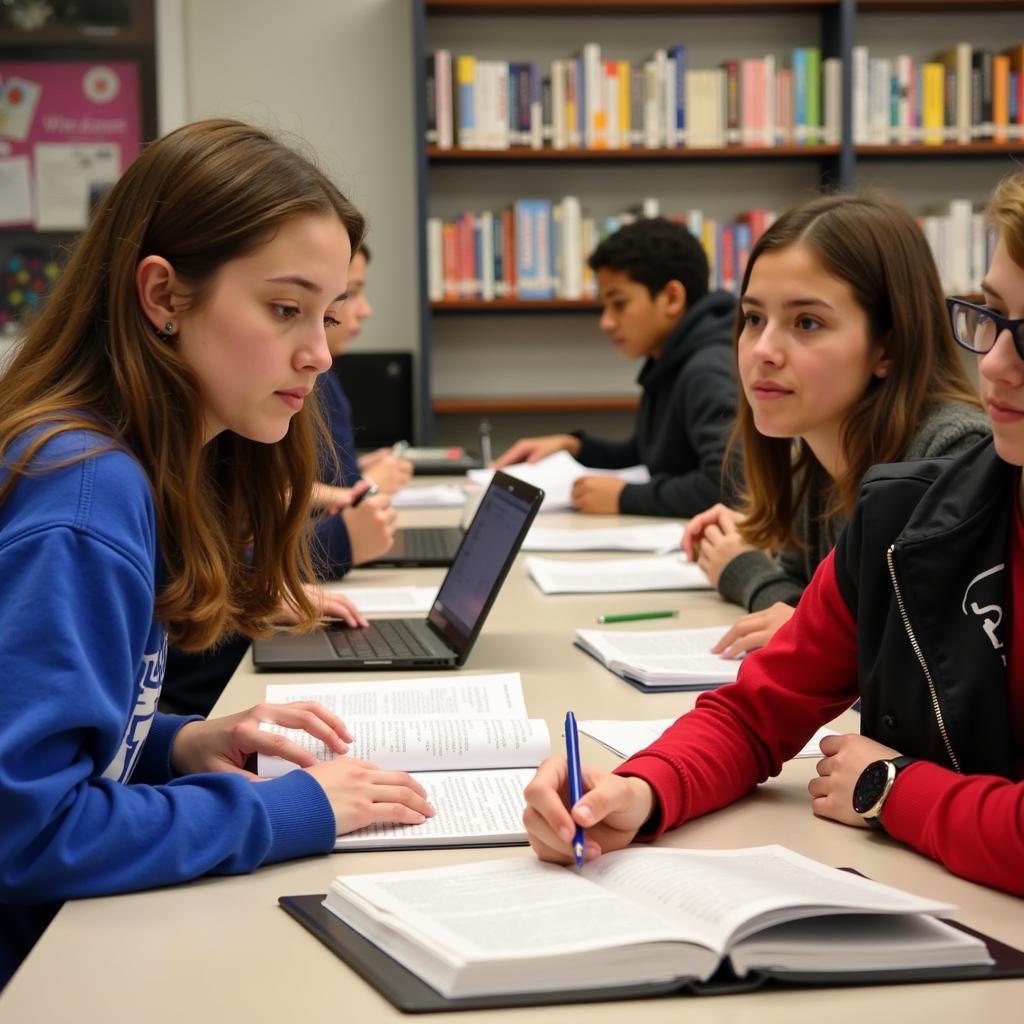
point(410, 994)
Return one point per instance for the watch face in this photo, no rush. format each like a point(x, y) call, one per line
point(870, 786)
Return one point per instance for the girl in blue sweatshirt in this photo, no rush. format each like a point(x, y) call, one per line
point(157, 453)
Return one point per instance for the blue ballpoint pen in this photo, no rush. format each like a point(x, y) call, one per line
point(572, 756)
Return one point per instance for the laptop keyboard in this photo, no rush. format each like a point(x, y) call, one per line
point(427, 543)
point(382, 639)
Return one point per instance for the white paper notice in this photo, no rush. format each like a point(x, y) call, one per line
point(661, 538)
point(615, 575)
point(555, 475)
point(68, 179)
point(438, 496)
point(18, 100)
point(15, 191)
point(378, 600)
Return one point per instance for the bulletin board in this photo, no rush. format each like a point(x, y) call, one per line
point(68, 128)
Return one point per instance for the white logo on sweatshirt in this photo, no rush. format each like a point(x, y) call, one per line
point(991, 615)
point(147, 692)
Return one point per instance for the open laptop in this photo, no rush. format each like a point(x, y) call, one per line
point(416, 547)
point(446, 636)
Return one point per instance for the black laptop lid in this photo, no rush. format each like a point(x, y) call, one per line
point(488, 548)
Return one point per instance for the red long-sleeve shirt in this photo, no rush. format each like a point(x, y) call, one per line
point(740, 734)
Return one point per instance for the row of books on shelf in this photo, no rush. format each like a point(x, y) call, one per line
point(537, 249)
point(963, 95)
point(586, 101)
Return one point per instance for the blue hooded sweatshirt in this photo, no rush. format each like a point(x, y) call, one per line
point(89, 802)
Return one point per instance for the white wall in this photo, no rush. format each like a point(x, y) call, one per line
point(338, 73)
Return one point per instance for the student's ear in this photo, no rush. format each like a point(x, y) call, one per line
point(673, 298)
point(883, 367)
point(159, 293)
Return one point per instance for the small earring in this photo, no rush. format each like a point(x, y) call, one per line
point(168, 327)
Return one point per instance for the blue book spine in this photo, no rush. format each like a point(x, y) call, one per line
point(498, 245)
point(799, 94)
point(514, 71)
point(533, 248)
point(478, 259)
point(1014, 98)
point(741, 247)
point(678, 54)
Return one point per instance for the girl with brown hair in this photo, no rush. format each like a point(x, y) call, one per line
point(918, 611)
point(157, 454)
point(845, 359)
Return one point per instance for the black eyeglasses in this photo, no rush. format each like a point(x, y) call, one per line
point(977, 327)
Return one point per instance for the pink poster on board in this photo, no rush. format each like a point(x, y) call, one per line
point(67, 131)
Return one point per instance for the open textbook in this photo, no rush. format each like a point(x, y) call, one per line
point(615, 575)
point(667, 659)
point(645, 916)
point(468, 742)
point(555, 476)
point(627, 738)
point(659, 538)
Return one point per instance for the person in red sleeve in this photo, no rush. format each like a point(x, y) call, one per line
point(918, 612)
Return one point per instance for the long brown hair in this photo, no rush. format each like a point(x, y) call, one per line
point(877, 248)
point(232, 515)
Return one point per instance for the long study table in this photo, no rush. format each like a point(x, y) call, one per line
point(221, 947)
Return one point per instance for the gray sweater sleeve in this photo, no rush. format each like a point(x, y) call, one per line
point(756, 581)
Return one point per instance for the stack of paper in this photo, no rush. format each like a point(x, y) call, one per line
point(438, 496)
point(658, 538)
point(678, 659)
point(375, 600)
point(555, 475)
point(629, 738)
point(616, 575)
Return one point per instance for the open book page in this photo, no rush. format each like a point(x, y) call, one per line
point(555, 475)
point(429, 744)
point(480, 696)
point(721, 896)
point(538, 916)
point(659, 538)
point(379, 600)
point(481, 806)
point(616, 575)
point(666, 655)
point(627, 738)
point(849, 942)
point(422, 724)
point(434, 496)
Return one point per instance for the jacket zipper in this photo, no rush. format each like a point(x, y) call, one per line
point(920, 657)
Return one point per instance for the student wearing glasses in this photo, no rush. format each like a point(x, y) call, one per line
point(918, 612)
point(845, 360)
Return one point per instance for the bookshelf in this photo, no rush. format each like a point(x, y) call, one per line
point(508, 357)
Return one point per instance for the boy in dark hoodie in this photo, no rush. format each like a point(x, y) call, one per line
point(653, 283)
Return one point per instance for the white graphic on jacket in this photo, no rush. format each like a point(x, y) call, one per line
point(147, 692)
point(991, 614)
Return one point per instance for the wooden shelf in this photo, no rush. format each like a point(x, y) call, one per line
point(618, 7)
point(928, 6)
point(522, 154)
point(581, 403)
point(515, 306)
point(946, 149)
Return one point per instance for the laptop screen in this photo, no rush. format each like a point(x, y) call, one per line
point(479, 567)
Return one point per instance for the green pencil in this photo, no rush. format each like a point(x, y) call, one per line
point(636, 616)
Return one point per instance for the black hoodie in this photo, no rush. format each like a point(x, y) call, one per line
point(686, 411)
